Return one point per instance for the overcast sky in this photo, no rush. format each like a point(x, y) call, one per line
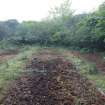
point(38, 9)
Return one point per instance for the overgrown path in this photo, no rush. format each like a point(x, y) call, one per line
point(49, 79)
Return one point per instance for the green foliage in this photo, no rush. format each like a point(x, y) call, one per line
point(56, 37)
point(61, 28)
point(8, 29)
point(62, 13)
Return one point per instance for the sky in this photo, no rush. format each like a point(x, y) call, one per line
point(39, 9)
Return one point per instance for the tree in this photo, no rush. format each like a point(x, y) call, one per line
point(62, 12)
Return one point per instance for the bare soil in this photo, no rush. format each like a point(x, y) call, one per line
point(51, 80)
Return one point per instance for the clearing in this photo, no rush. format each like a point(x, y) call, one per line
point(50, 79)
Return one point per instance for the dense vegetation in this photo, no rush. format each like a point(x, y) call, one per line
point(61, 28)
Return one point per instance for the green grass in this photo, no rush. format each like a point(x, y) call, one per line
point(11, 69)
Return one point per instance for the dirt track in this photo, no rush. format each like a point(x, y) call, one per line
point(52, 81)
